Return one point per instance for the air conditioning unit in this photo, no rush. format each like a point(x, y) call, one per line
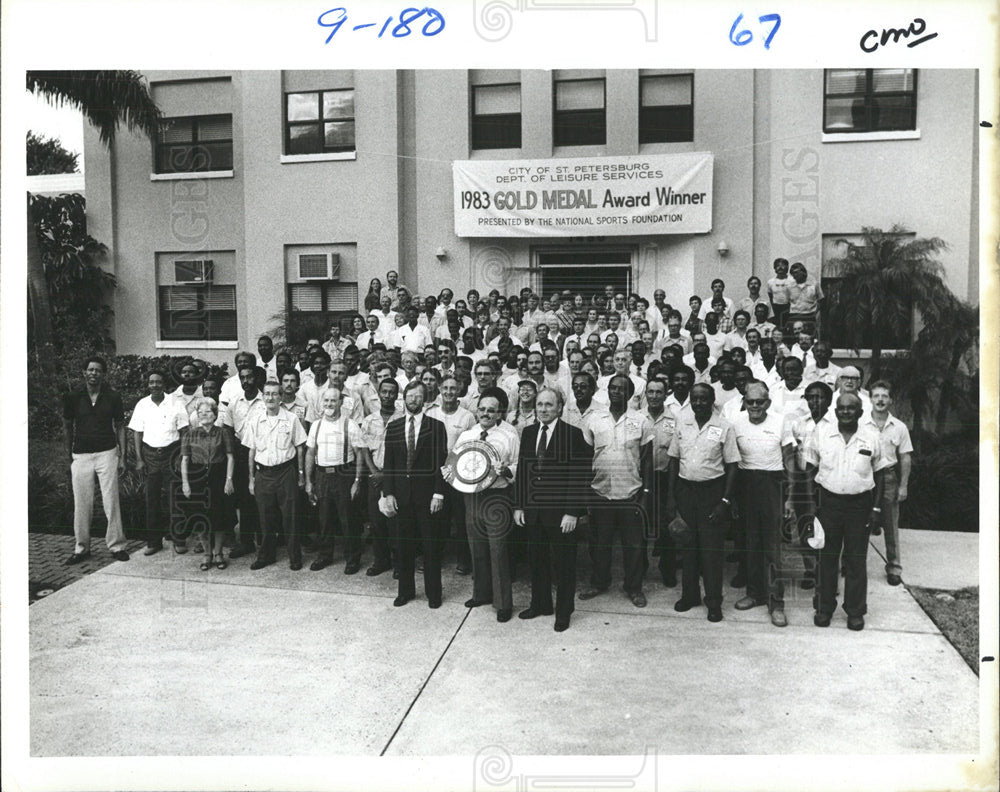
point(319, 266)
point(193, 271)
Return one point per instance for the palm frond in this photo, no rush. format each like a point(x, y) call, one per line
point(107, 99)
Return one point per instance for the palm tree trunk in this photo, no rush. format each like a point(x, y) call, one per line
point(943, 402)
point(41, 311)
point(876, 368)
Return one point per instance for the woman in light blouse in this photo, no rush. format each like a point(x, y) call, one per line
point(207, 463)
point(524, 410)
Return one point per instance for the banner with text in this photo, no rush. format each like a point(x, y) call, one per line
point(587, 196)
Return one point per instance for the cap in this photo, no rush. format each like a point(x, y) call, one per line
point(818, 539)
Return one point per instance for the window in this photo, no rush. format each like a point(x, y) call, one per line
point(319, 122)
point(496, 116)
point(195, 144)
point(666, 108)
point(332, 299)
point(834, 331)
point(869, 100)
point(579, 114)
point(203, 312)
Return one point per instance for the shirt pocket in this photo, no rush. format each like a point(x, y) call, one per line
point(863, 463)
point(284, 438)
point(603, 438)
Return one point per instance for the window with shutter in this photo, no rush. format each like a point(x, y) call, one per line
point(869, 100)
point(194, 144)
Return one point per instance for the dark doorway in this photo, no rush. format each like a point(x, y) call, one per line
point(585, 272)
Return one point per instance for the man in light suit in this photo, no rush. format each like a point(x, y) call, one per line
point(555, 467)
point(416, 446)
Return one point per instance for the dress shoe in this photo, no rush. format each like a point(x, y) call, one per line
point(76, 558)
point(260, 563)
point(740, 581)
point(638, 599)
point(150, 549)
point(434, 604)
point(561, 625)
point(504, 614)
point(320, 563)
point(893, 579)
point(377, 569)
point(400, 601)
point(876, 530)
point(747, 603)
point(855, 623)
point(669, 578)
point(180, 547)
point(531, 613)
point(295, 566)
point(715, 614)
point(239, 551)
point(683, 605)
point(395, 574)
point(463, 570)
point(474, 603)
point(821, 620)
point(591, 593)
point(352, 568)
point(778, 618)
point(807, 583)
point(120, 555)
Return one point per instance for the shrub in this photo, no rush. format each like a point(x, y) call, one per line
point(944, 485)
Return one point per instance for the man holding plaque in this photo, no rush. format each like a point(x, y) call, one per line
point(484, 464)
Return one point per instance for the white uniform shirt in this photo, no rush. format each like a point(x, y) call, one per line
point(573, 416)
point(161, 423)
point(617, 446)
point(273, 438)
point(846, 468)
point(237, 411)
point(328, 438)
point(703, 451)
point(894, 435)
point(413, 339)
point(828, 375)
point(760, 444)
point(454, 423)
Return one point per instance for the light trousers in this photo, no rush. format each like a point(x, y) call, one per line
point(83, 469)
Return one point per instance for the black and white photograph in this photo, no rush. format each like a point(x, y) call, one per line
point(411, 408)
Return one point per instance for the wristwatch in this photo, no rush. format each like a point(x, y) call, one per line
point(725, 501)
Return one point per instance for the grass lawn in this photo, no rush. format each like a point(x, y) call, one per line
point(956, 614)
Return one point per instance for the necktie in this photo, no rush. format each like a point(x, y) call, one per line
point(542, 441)
point(371, 341)
point(483, 435)
point(411, 443)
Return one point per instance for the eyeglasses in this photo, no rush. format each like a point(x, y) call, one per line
point(755, 402)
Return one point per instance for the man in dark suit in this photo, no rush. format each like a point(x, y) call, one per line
point(555, 467)
point(416, 446)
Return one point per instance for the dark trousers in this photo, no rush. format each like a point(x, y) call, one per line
point(454, 509)
point(276, 491)
point(162, 493)
point(664, 541)
point(415, 524)
point(695, 501)
point(333, 491)
point(780, 314)
point(383, 529)
point(762, 514)
point(845, 523)
point(249, 519)
point(205, 511)
point(488, 519)
point(625, 517)
point(548, 546)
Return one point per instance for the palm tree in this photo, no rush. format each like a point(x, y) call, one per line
point(107, 99)
point(881, 281)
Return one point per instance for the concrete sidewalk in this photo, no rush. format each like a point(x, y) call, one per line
point(246, 663)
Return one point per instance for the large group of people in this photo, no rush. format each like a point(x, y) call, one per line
point(607, 418)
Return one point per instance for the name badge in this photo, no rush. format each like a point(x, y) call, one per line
point(715, 433)
point(864, 448)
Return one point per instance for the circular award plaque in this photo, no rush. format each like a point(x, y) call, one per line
point(471, 466)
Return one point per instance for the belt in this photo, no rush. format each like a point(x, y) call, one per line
point(855, 496)
point(347, 467)
point(273, 468)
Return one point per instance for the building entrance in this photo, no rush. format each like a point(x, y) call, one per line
point(584, 272)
